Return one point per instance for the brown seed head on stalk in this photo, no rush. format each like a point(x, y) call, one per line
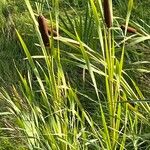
point(43, 29)
point(107, 13)
point(129, 29)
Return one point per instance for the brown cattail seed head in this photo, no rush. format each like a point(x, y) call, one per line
point(43, 30)
point(129, 29)
point(108, 13)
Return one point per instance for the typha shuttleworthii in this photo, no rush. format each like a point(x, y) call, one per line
point(45, 30)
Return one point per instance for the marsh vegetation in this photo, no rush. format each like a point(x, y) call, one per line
point(78, 79)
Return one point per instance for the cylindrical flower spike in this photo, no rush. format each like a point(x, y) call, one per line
point(108, 13)
point(43, 30)
point(129, 29)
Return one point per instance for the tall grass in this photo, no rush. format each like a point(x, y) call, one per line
point(49, 112)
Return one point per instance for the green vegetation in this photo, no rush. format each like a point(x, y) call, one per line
point(89, 89)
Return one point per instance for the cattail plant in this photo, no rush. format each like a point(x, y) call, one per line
point(129, 29)
point(45, 30)
point(53, 116)
point(108, 12)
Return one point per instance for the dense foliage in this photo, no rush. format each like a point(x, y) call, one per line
point(89, 89)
